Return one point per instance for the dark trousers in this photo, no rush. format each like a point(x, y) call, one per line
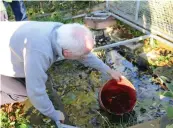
point(18, 9)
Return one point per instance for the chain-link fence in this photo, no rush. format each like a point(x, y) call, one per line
point(150, 14)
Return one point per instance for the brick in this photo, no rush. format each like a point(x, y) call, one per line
point(100, 24)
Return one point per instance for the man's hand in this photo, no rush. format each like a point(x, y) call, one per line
point(60, 116)
point(116, 75)
point(3, 15)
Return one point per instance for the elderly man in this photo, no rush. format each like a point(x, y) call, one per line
point(29, 48)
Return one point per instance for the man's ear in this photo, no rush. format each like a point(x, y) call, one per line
point(66, 53)
point(89, 43)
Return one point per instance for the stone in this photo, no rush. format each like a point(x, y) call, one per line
point(97, 33)
point(149, 56)
point(100, 24)
point(143, 110)
point(142, 61)
point(84, 75)
point(114, 33)
point(152, 108)
point(134, 46)
point(164, 71)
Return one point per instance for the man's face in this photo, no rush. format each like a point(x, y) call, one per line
point(73, 56)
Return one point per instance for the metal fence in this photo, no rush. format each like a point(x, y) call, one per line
point(154, 15)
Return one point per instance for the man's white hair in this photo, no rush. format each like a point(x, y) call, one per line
point(73, 37)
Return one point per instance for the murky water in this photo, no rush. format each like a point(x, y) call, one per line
point(149, 105)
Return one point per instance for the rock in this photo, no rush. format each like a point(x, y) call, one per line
point(97, 33)
point(134, 46)
point(157, 115)
point(141, 118)
point(149, 56)
point(108, 31)
point(164, 71)
point(94, 121)
point(99, 23)
point(143, 110)
point(160, 113)
point(142, 61)
point(152, 108)
point(159, 58)
point(126, 52)
point(117, 34)
point(163, 111)
point(84, 75)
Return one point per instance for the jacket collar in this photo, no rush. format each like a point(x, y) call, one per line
point(57, 50)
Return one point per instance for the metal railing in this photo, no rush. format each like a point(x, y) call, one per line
point(153, 15)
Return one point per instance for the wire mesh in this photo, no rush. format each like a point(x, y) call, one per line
point(152, 14)
point(123, 8)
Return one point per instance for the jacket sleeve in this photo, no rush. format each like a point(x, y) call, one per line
point(35, 66)
point(93, 61)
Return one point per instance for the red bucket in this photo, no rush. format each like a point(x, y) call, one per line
point(117, 97)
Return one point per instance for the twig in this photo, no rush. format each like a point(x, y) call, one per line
point(43, 15)
point(103, 118)
point(74, 17)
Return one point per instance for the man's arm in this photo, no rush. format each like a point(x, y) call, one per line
point(93, 61)
point(36, 65)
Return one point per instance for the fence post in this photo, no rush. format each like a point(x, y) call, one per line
point(137, 10)
point(107, 5)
